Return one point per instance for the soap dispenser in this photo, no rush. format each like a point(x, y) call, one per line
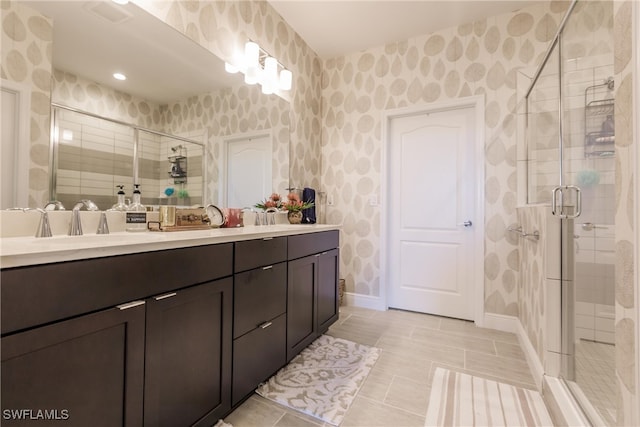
point(121, 205)
point(136, 213)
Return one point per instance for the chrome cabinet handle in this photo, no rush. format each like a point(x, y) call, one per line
point(165, 296)
point(265, 325)
point(130, 305)
point(268, 267)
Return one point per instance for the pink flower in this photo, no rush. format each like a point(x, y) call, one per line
point(293, 197)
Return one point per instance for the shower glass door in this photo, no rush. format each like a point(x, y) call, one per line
point(588, 169)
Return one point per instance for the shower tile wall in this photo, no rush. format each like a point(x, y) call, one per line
point(26, 59)
point(94, 157)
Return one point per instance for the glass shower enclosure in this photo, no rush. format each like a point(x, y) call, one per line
point(571, 167)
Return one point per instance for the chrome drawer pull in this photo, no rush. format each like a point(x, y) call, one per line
point(130, 305)
point(267, 238)
point(265, 325)
point(169, 295)
point(268, 267)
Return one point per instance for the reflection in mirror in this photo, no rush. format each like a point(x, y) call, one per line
point(219, 107)
point(94, 155)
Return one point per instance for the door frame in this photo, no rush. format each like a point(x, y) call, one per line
point(477, 103)
point(23, 95)
point(226, 141)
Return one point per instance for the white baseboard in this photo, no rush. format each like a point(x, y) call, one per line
point(512, 324)
point(500, 322)
point(364, 301)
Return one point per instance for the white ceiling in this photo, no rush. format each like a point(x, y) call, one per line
point(333, 28)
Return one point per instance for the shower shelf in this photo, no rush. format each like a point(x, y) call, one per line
point(599, 127)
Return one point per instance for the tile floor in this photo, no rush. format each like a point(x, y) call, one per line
point(595, 373)
point(396, 393)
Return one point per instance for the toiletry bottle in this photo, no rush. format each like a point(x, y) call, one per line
point(137, 213)
point(120, 205)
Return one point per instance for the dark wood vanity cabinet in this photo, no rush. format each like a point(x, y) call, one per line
point(260, 306)
point(86, 371)
point(160, 357)
point(312, 289)
point(163, 338)
point(188, 356)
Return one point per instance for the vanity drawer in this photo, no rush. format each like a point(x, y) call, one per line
point(259, 295)
point(35, 295)
point(260, 252)
point(302, 245)
point(257, 355)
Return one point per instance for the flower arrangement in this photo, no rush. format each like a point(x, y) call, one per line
point(294, 204)
point(274, 201)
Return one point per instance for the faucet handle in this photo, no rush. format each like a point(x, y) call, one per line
point(75, 226)
point(44, 228)
point(103, 226)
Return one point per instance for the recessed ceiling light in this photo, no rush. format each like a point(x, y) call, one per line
point(120, 1)
point(119, 76)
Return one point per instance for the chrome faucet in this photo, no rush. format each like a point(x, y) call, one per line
point(75, 226)
point(270, 216)
point(54, 205)
point(44, 228)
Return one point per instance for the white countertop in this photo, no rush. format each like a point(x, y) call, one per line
point(23, 251)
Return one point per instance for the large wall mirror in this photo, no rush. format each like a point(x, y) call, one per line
point(168, 123)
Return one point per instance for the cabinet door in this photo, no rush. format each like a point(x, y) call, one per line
point(257, 355)
point(301, 304)
point(328, 296)
point(89, 370)
point(259, 295)
point(188, 356)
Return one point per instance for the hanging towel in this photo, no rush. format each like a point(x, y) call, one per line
point(309, 214)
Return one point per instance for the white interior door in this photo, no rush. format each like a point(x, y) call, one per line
point(432, 210)
point(248, 177)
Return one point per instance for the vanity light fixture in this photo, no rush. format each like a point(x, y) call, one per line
point(260, 67)
point(119, 76)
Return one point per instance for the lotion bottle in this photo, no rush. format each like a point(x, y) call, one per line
point(136, 213)
point(120, 205)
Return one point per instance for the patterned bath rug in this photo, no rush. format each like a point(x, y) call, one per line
point(463, 400)
point(323, 379)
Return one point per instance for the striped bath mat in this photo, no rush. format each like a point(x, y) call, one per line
point(463, 400)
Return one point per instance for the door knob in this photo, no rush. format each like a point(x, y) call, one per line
point(467, 223)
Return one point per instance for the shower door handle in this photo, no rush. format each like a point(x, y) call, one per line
point(559, 210)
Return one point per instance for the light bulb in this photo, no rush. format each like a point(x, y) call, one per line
point(252, 75)
point(230, 68)
point(251, 54)
point(285, 80)
point(270, 75)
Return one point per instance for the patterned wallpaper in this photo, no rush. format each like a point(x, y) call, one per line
point(343, 98)
point(223, 27)
point(626, 286)
point(532, 276)
point(475, 58)
point(234, 111)
point(26, 58)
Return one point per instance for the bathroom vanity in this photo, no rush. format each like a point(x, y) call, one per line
point(166, 329)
